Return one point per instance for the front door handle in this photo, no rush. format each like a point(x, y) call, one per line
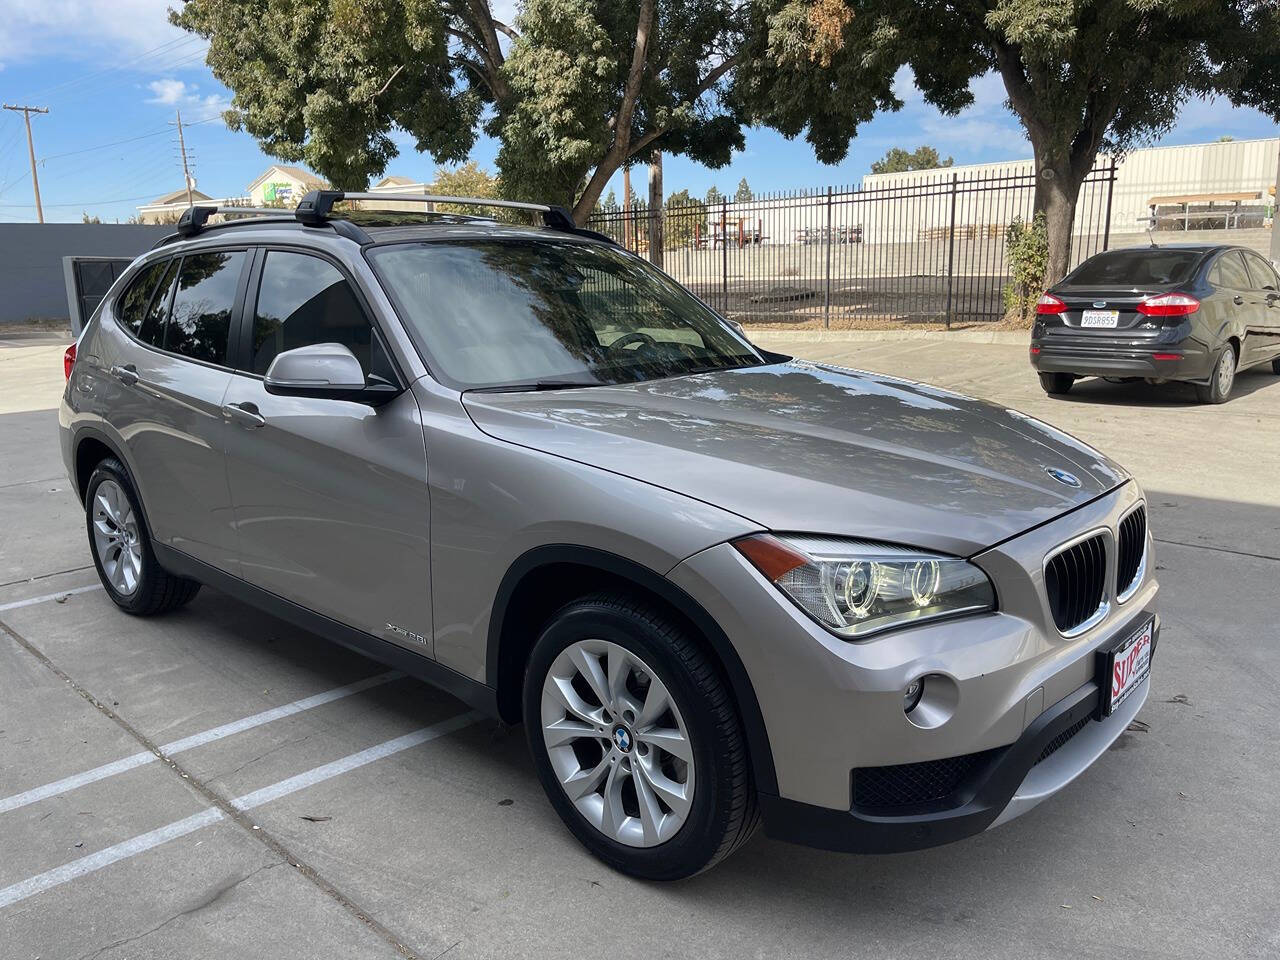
point(246, 414)
point(127, 374)
point(1238, 300)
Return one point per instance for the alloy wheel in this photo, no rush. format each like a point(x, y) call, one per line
point(617, 743)
point(1226, 371)
point(116, 538)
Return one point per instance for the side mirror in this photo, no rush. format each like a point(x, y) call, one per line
point(326, 371)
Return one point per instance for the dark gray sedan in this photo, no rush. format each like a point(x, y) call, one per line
point(1192, 312)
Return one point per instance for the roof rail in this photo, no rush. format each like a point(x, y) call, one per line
point(315, 207)
point(195, 217)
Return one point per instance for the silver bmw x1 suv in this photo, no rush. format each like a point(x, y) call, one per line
point(718, 586)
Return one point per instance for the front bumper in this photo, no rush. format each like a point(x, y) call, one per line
point(832, 707)
point(1008, 784)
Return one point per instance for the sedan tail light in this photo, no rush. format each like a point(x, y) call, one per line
point(68, 361)
point(1169, 305)
point(1050, 304)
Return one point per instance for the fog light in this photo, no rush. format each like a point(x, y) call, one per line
point(911, 695)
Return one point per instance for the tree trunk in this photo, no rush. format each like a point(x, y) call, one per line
point(655, 210)
point(1057, 190)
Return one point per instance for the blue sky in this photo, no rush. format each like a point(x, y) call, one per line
point(113, 73)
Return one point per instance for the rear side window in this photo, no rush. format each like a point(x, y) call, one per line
point(151, 329)
point(1229, 272)
point(303, 300)
point(201, 318)
point(1136, 267)
point(132, 306)
point(1264, 277)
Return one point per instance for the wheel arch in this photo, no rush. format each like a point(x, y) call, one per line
point(89, 448)
point(545, 578)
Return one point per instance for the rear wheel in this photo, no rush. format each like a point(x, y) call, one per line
point(1275, 365)
point(1057, 383)
point(121, 546)
point(636, 740)
point(1223, 378)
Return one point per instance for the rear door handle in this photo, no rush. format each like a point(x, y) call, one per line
point(127, 374)
point(246, 414)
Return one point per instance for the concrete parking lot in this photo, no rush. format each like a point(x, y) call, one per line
point(215, 783)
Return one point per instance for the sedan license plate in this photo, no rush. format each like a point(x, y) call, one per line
point(1100, 318)
point(1123, 668)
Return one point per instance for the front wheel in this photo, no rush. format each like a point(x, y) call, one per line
point(636, 740)
point(1223, 378)
point(1275, 365)
point(121, 546)
point(1057, 383)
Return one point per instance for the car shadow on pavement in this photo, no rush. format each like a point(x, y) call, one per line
point(1139, 393)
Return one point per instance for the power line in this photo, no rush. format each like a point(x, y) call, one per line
point(170, 45)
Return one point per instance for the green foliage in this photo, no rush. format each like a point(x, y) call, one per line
point(85, 218)
point(898, 160)
point(328, 82)
point(714, 197)
point(610, 202)
point(743, 194)
point(1028, 246)
point(683, 218)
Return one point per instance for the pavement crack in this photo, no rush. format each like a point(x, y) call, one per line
point(1216, 549)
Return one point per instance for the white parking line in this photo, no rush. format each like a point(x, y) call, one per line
point(122, 851)
point(195, 740)
point(31, 601)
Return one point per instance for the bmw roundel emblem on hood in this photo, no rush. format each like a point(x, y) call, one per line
point(1070, 479)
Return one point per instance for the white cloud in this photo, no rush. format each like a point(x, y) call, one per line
point(170, 92)
point(110, 30)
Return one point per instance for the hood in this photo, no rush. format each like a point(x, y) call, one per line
point(806, 447)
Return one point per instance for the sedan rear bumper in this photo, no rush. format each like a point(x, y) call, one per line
point(1089, 356)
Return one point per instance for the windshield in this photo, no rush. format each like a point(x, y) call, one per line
point(547, 312)
point(1138, 267)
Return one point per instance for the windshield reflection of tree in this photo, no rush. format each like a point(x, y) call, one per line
point(587, 299)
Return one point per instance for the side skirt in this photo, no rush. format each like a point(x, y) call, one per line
point(471, 692)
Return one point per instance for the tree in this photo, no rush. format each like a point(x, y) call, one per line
point(714, 197)
point(685, 217)
point(582, 88)
point(610, 202)
point(467, 180)
point(898, 160)
point(744, 194)
point(1083, 76)
point(85, 218)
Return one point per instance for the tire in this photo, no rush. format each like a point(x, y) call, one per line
point(675, 840)
point(1057, 383)
point(1275, 366)
point(1223, 378)
point(121, 546)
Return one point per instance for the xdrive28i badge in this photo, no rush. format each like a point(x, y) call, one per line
point(1070, 479)
point(407, 634)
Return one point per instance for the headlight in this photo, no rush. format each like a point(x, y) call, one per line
point(855, 588)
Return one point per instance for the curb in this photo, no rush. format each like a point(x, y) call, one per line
point(1017, 337)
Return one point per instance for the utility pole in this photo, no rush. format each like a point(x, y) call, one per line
point(186, 173)
point(31, 151)
point(1275, 218)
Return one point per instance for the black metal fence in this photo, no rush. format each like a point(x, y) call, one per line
point(920, 249)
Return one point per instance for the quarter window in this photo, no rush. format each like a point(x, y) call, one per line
point(132, 308)
point(201, 318)
point(303, 300)
point(151, 330)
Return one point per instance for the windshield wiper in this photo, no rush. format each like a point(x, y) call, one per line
point(537, 385)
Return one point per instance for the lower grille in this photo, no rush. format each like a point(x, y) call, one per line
point(904, 784)
point(1130, 546)
point(1060, 741)
point(1075, 581)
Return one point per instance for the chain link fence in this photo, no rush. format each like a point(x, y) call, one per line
point(921, 251)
